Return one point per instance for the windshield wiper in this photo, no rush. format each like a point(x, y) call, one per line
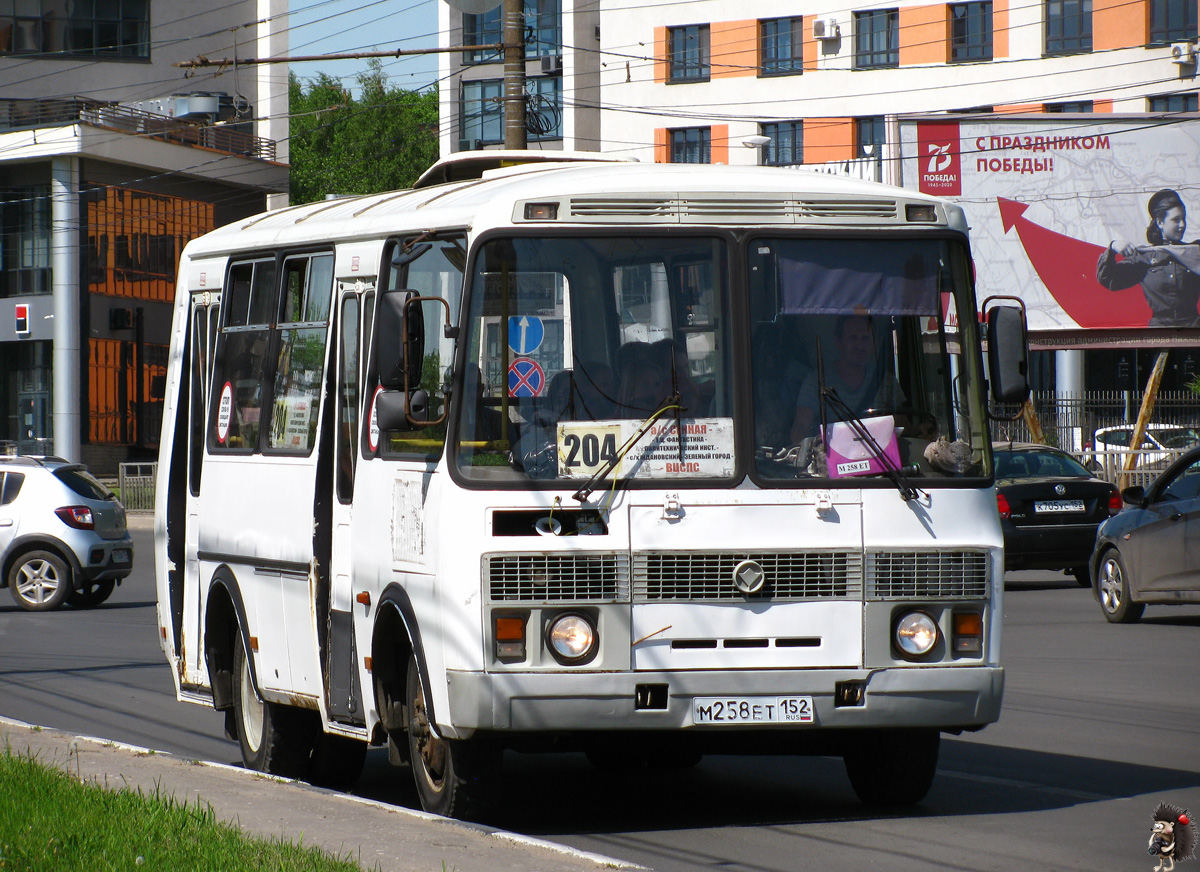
point(829, 395)
point(609, 465)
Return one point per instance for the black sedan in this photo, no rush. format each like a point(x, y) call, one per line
point(1050, 508)
point(1150, 553)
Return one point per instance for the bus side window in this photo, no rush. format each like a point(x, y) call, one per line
point(436, 272)
point(349, 401)
point(242, 358)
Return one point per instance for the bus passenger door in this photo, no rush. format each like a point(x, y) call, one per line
point(188, 613)
point(343, 691)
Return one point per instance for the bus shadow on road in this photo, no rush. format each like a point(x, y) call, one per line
point(973, 779)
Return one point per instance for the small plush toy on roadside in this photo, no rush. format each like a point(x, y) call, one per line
point(1173, 836)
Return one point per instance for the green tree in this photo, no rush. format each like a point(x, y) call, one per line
point(381, 141)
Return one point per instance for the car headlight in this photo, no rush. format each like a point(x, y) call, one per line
point(916, 634)
point(572, 638)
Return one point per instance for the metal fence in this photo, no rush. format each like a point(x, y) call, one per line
point(1070, 422)
point(136, 481)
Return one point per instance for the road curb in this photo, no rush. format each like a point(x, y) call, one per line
point(379, 836)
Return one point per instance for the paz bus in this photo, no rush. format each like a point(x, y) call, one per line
point(641, 461)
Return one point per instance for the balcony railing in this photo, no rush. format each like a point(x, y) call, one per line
point(227, 138)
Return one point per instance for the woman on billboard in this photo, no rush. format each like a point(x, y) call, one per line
point(1168, 268)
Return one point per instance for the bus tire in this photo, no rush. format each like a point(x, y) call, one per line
point(454, 778)
point(274, 738)
point(337, 761)
point(892, 767)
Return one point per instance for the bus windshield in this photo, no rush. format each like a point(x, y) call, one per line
point(614, 356)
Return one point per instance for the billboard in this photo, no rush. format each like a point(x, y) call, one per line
point(1060, 209)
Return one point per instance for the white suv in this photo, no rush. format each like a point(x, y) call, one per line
point(63, 536)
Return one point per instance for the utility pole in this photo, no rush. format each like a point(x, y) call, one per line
point(513, 13)
point(513, 47)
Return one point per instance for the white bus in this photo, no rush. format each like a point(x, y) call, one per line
point(643, 461)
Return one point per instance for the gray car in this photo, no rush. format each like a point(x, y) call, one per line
point(1150, 552)
point(63, 536)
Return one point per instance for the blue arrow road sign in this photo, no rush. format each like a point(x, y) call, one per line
point(525, 333)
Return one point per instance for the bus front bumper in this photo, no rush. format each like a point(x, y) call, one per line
point(948, 698)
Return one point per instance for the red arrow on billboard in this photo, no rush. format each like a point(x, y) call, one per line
point(1067, 267)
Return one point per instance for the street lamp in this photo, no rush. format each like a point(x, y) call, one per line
point(757, 141)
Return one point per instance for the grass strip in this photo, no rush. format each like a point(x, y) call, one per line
point(50, 821)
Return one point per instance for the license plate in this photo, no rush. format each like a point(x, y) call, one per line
point(121, 555)
point(1058, 506)
point(752, 710)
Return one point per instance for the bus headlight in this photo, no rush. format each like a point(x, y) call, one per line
point(916, 634)
point(572, 638)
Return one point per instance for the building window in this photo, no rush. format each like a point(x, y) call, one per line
point(779, 42)
point(691, 145)
point(1068, 26)
point(543, 115)
point(543, 31)
point(481, 114)
point(1069, 106)
point(876, 39)
point(869, 137)
point(786, 147)
point(107, 28)
point(971, 31)
point(687, 52)
point(1175, 103)
point(1172, 21)
point(25, 241)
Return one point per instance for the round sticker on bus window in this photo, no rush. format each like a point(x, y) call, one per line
point(373, 422)
point(224, 413)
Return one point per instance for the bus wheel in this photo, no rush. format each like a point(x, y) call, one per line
point(337, 761)
point(454, 778)
point(892, 767)
point(274, 738)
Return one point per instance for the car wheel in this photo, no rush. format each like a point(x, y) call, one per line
point(1112, 585)
point(454, 778)
point(39, 581)
point(274, 738)
point(892, 767)
point(91, 594)
point(1083, 576)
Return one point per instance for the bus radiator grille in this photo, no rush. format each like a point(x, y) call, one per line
point(927, 574)
point(789, 575)
point(592, 577)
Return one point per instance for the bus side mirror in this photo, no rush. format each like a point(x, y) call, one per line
point(396, 410)
point(1008, 353)
point(401, 339)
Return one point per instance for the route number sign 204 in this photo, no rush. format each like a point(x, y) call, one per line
point(752, 710)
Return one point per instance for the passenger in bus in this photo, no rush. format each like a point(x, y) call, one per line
point(777, 373)
point(855, 375)
point(596, 391)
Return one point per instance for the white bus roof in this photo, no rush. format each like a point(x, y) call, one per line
point(599, 193)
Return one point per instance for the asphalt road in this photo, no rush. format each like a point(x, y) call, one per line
point(1100, 723)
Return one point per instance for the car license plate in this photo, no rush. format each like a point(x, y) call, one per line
point(1058, 506)
point(752, 710)
point(121, 555)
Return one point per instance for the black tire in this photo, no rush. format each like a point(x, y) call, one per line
point(274, 738)
point(91, 594)
point(1112, 587)
point(892, 767)
point(39, 581)
point(453, 778)
point(1083, 576)
point(337, 761)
